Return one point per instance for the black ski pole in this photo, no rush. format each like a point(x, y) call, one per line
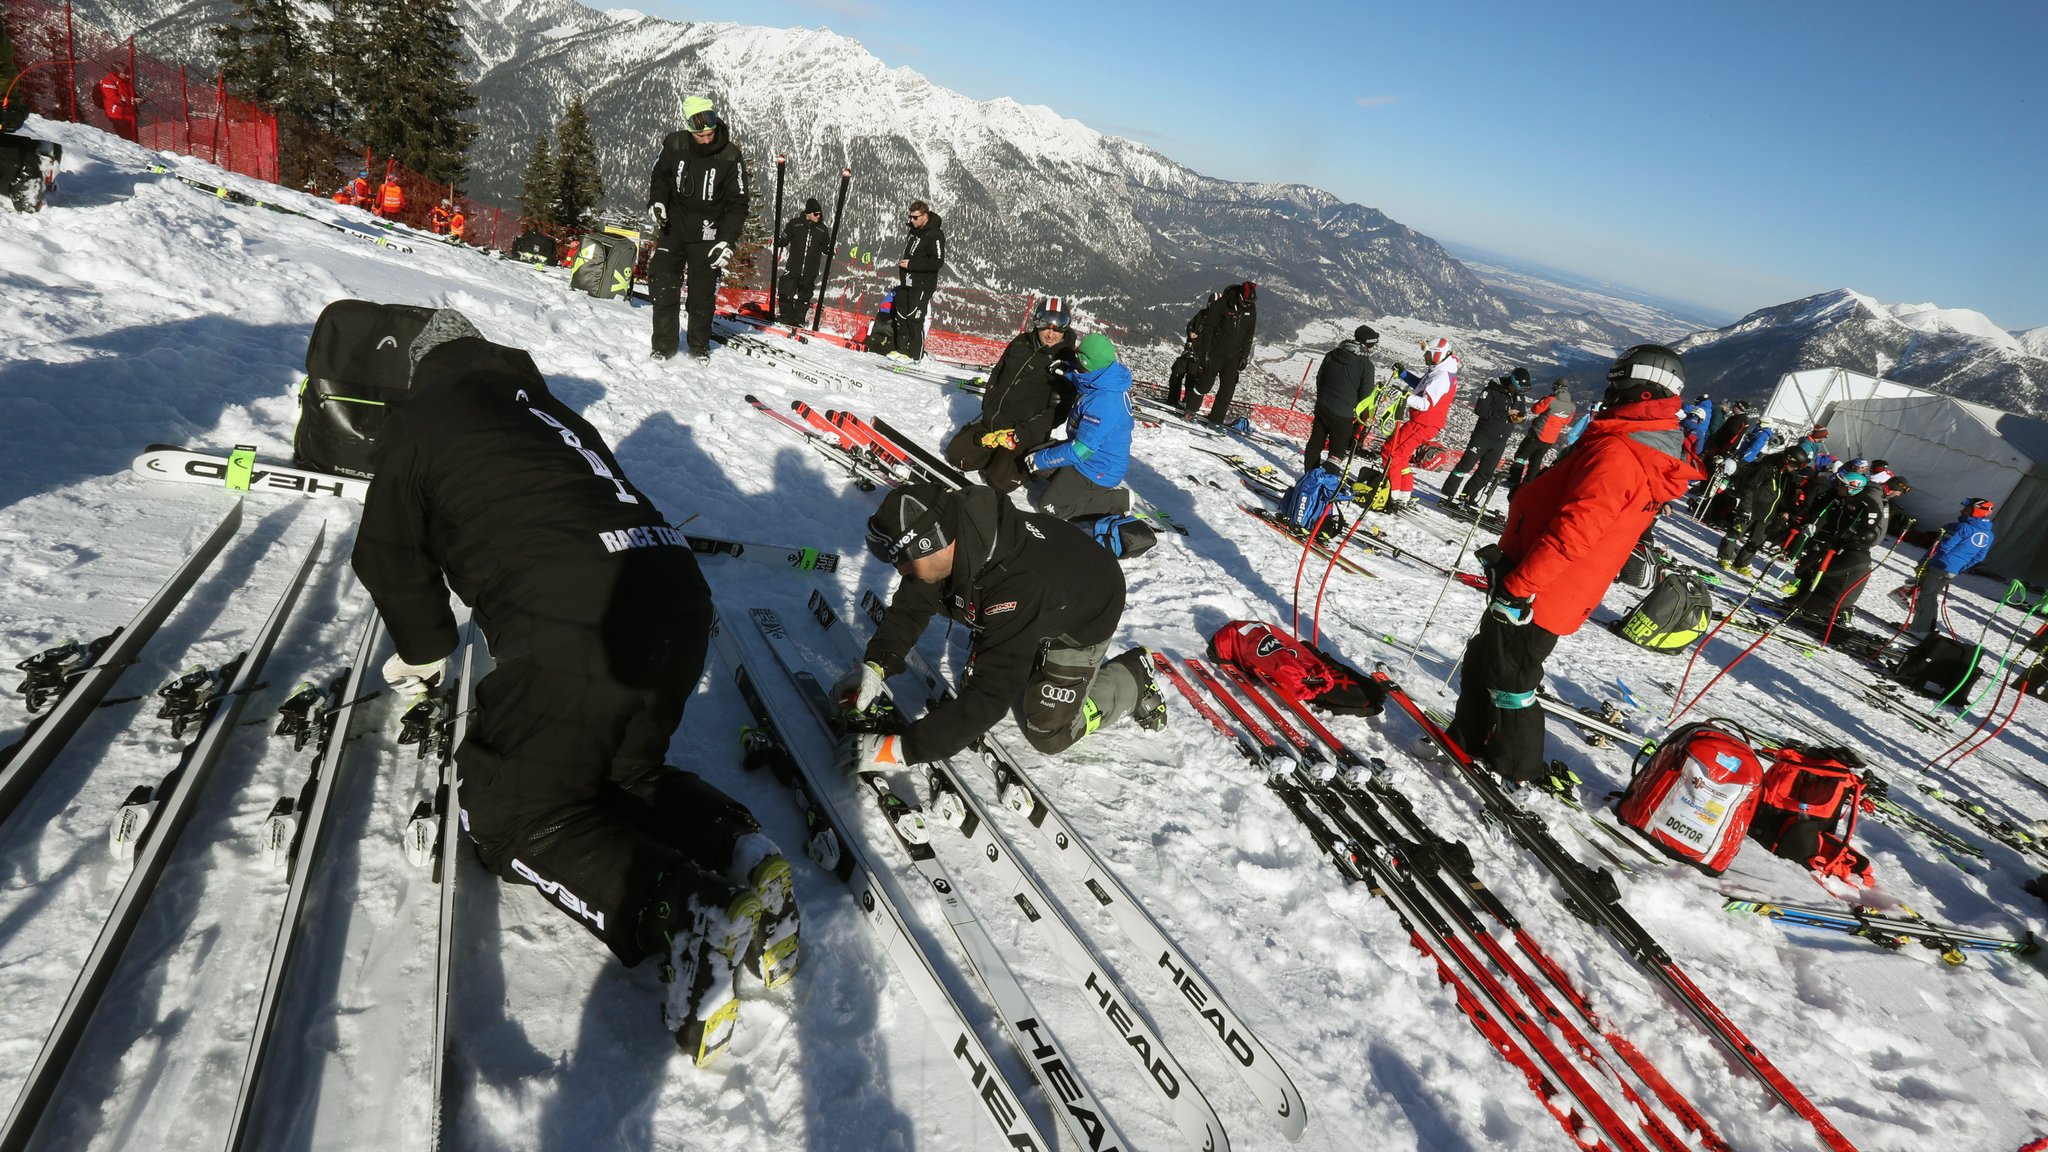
point(775, 249)
point(831, 249)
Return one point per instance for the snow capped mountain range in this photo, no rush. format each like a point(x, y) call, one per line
point(1942, 349)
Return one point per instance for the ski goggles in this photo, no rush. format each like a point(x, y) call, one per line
point(705, 121)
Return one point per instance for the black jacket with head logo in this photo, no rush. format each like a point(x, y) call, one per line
point(702, 187)
point(1020, 580)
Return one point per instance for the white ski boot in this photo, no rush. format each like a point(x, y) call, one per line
point(704, 947)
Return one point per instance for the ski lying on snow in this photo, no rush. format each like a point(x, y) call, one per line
point(1591, 893)
point(1396, 870)
point(1015, 790)
point(1886, 931)
point(879, 910)
point(866, 476)
point(240, 471)
point(24, 761)
point(1077, 1106)
point(302, 849)
point(1299, 535)
point(453, 722)
point(774, 556)
point(173, 805)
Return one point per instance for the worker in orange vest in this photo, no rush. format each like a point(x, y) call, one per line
point(355, 193)
point(439, 216)
point(390, 199)
point(456, 224)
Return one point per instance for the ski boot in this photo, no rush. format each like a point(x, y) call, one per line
point(773, 955)
point(701, 942)
point(1150, 710)
point(1559, 782)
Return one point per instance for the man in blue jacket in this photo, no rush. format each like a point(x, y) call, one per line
point(1088, 466)
point(1963, 546)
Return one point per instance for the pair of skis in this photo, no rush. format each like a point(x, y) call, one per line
point(1373, 835)
point(1592, 894)
point(156, 827)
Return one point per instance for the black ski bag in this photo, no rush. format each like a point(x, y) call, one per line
point(359, 360)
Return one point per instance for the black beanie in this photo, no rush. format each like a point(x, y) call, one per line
point(811, 205)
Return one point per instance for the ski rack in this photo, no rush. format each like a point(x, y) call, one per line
point(1245, 1052)
point(447, 866)
point(327, 781)
point(1077, 1106)
point(158, 839)
point(23, 762)
point(1591, 893)
point(878, 908)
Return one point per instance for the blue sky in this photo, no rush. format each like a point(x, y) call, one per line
point(1734, 154)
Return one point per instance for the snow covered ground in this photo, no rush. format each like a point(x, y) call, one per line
point(138, 310)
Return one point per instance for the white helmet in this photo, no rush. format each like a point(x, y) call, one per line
point(1434, 351)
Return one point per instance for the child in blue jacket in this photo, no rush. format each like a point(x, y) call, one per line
point(1088, 466)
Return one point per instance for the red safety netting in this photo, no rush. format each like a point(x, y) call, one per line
point(73, 69)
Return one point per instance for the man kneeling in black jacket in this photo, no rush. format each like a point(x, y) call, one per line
point(598, 621)
point(1040, 598)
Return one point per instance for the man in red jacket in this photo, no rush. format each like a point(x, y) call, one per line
point(1569, 530)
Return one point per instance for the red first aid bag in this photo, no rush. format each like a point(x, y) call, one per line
point(1696, 795)
point(1296, 668)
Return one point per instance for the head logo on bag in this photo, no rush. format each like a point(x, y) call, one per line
point(357, 362)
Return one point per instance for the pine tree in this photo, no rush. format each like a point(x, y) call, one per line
point(537, 188)
point(270, 55)
point(579, 189)
point(396, 65)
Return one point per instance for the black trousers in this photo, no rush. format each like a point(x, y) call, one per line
point(1932, 586)
point(1000, 468)
point(564, 787)
point(794, 307)
point(666, 271)
point(1329, 433)
point(1497, 718)
point(1476, 465)
point(909, 312)
point(1222, 380)
point(1070, 494)
point(1180, 382)
point(1835, 592)
point(1530, 455)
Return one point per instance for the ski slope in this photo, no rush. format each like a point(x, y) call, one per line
point(139, 310)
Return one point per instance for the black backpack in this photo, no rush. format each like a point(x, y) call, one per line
point(1677, 612)
point(538, 247)
point(604, 266)
point(28, 167)
point(360, 359)
point(1940, 666)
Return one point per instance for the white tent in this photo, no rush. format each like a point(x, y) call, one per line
point(1802, 398)
point(1951, 450)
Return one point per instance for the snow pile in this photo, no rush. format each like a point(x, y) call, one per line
point(141, 310)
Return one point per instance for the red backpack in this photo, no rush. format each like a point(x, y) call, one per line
point(1809, 803)
point(1296, 668)
point(1695, 797)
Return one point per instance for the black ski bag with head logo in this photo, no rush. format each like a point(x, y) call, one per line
point(358, 361)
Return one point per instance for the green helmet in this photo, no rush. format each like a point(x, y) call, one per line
point(1096, 352)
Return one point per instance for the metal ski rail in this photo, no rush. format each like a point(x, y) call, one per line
point(878, 908)
point(327, 782)
point(447, 866)
point(159, 838)
point(23, 762)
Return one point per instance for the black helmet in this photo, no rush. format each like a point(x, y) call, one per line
point(912, 523)
point(1051, 313)
point(1645, 372)
point(1521, 375)
point(1365, 335)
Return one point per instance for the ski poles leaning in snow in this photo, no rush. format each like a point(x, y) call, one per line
point(2019, 631)
point(1766, 634)
point(1464, 545)
point(2014, 589)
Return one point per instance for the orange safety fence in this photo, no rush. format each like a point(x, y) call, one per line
point(73, 69)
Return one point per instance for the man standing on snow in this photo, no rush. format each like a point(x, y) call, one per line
point(1568, 533)
point(1088, 466)
point(696, 204)
point(1230, 329)
point(803, 257)
point(1040, 598)
point(1426, 409)
point(1026, 394)
point(1190, 368)
point(598, 620)
point(1342, 385)
point(1499, 407)
point(924, 254)
point(1963, 546)
point(1547, 422)
point(1767, 489)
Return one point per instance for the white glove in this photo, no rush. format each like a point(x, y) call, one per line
point(721, 255)
point(1728, 467)
point(856, 691)
point(657, 218)
point(404, 677)
point(863, 752)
